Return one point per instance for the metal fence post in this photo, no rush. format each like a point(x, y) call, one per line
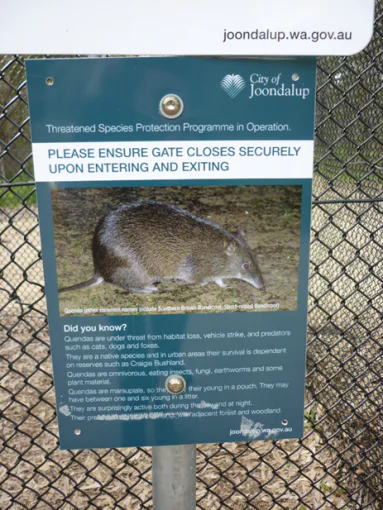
point(174, 477)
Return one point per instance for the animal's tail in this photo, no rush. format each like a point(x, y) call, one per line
point(96, 280)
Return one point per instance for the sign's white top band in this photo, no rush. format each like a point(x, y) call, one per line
point(173, 160)
point(171, 27)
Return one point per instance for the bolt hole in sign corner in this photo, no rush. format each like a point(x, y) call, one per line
point(201, 27)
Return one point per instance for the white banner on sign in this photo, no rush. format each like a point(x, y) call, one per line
point(122, 161)
point(200, 27)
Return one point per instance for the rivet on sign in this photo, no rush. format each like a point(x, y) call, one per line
point(49, 80)
point(171, 106)
point(295, 77)
point(175, 384)
point(285, 422)
point(77, 432)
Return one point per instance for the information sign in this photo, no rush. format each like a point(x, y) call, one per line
point(171, 27)
point(174, 200)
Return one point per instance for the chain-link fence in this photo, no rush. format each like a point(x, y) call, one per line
point(338, 463)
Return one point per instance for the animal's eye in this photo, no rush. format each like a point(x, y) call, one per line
point(246, 266)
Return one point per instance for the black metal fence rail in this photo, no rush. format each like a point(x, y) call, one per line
point(339, 463)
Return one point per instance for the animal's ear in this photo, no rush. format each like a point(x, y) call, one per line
point(230, 247)
point(240, 233)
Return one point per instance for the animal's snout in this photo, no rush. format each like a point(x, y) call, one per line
point(259, 283)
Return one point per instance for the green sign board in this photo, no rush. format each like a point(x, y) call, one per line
point(174, 200)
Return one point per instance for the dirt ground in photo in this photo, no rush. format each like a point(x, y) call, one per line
point(269, 215)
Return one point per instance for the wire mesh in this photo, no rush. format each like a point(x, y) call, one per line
point(338, 463)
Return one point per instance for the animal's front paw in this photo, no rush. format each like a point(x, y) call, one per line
point(151, 288)
point(221, 284)
point(145, 290)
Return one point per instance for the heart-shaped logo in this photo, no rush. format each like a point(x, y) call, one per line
point(232, 84)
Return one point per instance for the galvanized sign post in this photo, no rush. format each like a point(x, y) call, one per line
point(174, 477)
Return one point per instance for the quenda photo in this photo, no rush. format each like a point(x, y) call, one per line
point(176, 249)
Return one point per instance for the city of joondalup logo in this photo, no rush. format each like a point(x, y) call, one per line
point(265, 86)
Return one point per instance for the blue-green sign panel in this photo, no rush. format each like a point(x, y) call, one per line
point(191, 252)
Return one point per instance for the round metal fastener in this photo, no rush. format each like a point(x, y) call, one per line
point(77, 432)
point(175, 384)
point(171, 106)
point(295, 77)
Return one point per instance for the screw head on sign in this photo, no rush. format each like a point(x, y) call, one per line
point(171, 106)
point(175, 384)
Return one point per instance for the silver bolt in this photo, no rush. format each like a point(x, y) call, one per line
point(295, 77)
point(175, 384)
point(171, 106)
point(77, 432)
point(285, 422)
point(49, 80)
